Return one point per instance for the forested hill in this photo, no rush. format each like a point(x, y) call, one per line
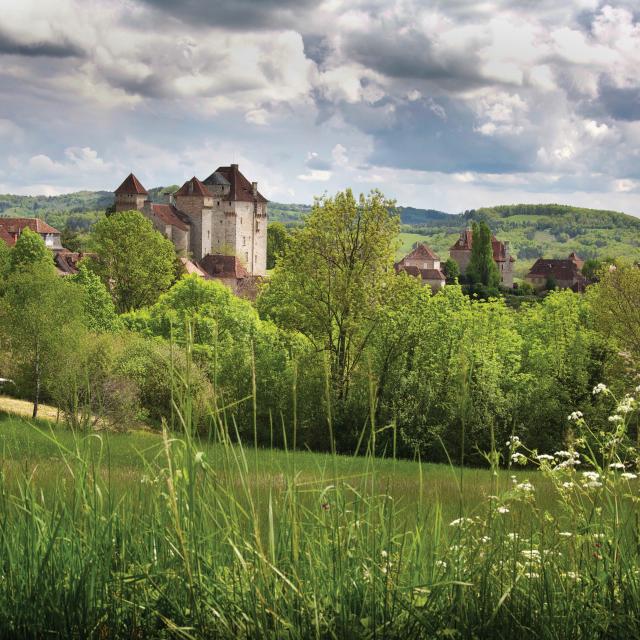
point(533, 230)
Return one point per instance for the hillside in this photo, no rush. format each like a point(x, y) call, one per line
point(533, 230)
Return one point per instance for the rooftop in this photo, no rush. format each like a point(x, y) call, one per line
point(241, 189)
point(193, 187)
point(131, 186)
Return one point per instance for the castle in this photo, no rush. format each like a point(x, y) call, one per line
point(460, 251)
point(220, 223)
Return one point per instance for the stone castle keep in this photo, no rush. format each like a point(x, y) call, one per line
point(216, 222)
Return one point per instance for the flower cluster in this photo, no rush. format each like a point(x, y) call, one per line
point(600, 388)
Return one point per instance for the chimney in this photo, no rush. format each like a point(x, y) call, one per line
point(234, 166)
point(254, 189)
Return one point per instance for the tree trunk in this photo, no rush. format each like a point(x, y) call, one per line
point(36, 398)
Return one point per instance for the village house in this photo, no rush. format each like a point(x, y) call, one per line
point(218, 225)
point(563, 273)
point(461, 253)
point(423, 263)
point(65, 261)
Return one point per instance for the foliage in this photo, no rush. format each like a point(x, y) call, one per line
point(99, 310)
point(616, 306)
point(29, 250)
point(451, 271)
point(277, 240)
point(41, 325)
point(5, 261)
point(482, 268)
point(136, 262)
point(330, 284)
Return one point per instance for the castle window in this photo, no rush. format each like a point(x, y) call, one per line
point(246, 256)
point(208, 233)
point(240, 219)
point(244, 241)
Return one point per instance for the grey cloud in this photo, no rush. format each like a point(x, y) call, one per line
point(239, 15)
point(318, 163)
point(62, 49)
point(621, 104)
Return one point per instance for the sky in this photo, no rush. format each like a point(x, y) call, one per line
point(450, 104)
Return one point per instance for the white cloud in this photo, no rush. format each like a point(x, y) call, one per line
point(315, 175)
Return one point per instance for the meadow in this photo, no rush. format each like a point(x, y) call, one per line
point(142, 534)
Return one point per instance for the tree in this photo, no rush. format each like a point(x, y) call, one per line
point(70, 239)
point(41, 324)
point(615, 302)
point(482, 267)
point(134, 261)
point(451, 271)
point(30, 250)
point(332, 280)
point(98, 306)
point(5, 261)
point(277, 240)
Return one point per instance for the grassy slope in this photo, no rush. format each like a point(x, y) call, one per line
point(40, 446)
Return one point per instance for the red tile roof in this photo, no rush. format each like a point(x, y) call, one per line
point(170, 215)
point(241, 188)
point(425, 274)
point(193, 187)
point(565, 270)
point(14, 226)
point(131, 186)
point(191, 267)
point(6, 237)
point(465, 242)
point(218, 266)
point(421, 251)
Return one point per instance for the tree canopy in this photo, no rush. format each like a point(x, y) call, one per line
point(135, 262)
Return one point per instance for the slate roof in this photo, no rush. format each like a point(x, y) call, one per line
point(170, 215)
point(219, 266)
point(421, 251)
point(131, 186)
point(193, 187)
point(241, 188)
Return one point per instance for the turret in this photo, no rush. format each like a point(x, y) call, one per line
point(130, 194)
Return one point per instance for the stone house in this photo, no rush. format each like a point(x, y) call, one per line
point(460, 251)
point(66, 261)
point(564, 273)
point(11, 228)
point(223, 215)
point(423, 263)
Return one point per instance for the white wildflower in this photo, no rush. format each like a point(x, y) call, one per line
point(542, 457)
point(513, 442)
point(519, 458)
point(485, 539)
point(565, 534)
point(600, 388)
point(460, 522)
point(384, 553)
point(572, 575)
point(512, 536)
point(591, 475)
point(525, 486)
point(626, 405)
point(616, 418)
point(568, 485)
point(616, 465)
point(441, 564)
point(531, 554)
point(628, 476)
point(575, 416)
point(503, 510)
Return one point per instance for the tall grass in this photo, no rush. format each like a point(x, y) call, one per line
point(204, 548)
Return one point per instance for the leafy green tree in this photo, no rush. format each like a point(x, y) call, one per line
point(331, 282)
point(100, 312)
point(30, 250)
point(482, 268)
point(615, 301)
point(5, 261)
point(135, 262)
point(451, 271)
point(71, 239)
point(277, 239)
point(41, 324)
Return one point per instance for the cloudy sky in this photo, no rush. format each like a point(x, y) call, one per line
point(448, 104)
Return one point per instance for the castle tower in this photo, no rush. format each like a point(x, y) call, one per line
point(130, 194)
point(239, 218)
point(195, 200)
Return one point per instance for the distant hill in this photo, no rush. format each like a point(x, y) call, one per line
point(533, 230)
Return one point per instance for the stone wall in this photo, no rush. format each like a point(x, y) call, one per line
point(199, 210)
point(130, 202)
